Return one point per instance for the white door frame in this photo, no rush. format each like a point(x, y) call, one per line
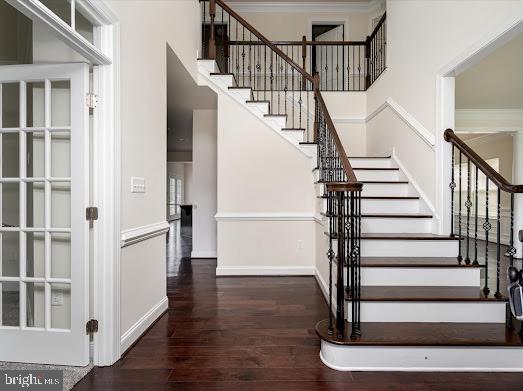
point(106, 169)
point(445, 110)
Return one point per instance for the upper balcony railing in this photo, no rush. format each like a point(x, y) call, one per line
point(341, 65)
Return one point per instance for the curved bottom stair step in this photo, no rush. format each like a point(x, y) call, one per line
point(426, 334)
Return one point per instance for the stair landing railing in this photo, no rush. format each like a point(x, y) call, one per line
point(292, 91)
point(479, 195)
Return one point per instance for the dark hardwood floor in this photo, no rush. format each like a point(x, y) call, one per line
point(252, 333)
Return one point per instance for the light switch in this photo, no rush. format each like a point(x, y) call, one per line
point(137, 185)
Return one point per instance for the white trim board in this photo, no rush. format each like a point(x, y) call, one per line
point(275, 216)
point(137, 329)
point(305, 7)
point(138, 234)
point(33, 9)
point(489, 120)
point(413, 123)
point(203, 254)
point(265, 271)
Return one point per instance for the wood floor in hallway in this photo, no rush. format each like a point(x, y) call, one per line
point(252, 333)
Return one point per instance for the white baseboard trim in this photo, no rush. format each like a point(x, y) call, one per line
point(412, 122)
point(265, 271)
point(203, 254)
point(139, 234)
point(411, 179)
point(137, 329)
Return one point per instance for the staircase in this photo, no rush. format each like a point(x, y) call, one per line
point(398, 297)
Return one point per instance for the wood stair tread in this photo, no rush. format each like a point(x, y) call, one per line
point(390, 197)
point(375, 168)
point(414, 262)
point(424, 293)
point(221, 74)
point(293, 129)
point(384, 182)
point(397, 236)
point(397, 215)
point(258, 101)
point(275, 115)
point(426, 334)
point(406, 236)
point(369, 157)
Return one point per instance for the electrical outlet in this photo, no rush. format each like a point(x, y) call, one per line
point(299, 245)
point(57, 298)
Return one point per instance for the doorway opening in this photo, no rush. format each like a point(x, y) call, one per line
point(325, 32)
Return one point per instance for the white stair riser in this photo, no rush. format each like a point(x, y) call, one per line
point(422, 276)
point(224, 81)
point(296, 134)
point(243, 93)
point(310, 149)
point(408, 248)
point(378, 175)
point(431, 311)
point(396, 225)
point(279, 121)
point(261, 108)
point(391, 206)
point(388, 189)
point(207, 66)
point(367, 162)
point(422, 358)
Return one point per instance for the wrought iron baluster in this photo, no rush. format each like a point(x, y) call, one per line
point(468, 205)
point(452, 186)
point(460, 257)
point(475, 262)
point(511, 249)
point(340, 291)
point(330, 254)
point(487, 227)
point(498, 295)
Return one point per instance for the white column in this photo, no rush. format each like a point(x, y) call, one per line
point(517, 179)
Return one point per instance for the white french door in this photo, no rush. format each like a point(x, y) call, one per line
point(44, 192)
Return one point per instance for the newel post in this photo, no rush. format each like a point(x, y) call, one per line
point(316, 88)
point(304, 61)
point(212, 38)
point(367, 60)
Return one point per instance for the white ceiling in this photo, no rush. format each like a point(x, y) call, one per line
point(183, 96)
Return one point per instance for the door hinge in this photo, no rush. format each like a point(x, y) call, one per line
point(91, 213)
point(91, 327)
point(91, 100)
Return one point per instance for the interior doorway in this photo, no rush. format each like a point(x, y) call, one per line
point(324, 32)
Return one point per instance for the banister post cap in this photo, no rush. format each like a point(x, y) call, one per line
point(447, 134)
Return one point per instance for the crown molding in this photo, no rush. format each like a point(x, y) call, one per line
point(316, 7)
point(489, 120)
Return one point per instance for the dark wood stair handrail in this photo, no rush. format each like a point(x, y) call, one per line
point(258, 35)
point(491, 174)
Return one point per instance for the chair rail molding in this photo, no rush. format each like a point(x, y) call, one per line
point(413, 123)
point(139, 234)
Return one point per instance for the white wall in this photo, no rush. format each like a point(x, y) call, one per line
point(146, 28)
point(204, 184)
point(266, 198)
point(436, 35)
point(495, 82)
point(188, 188)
